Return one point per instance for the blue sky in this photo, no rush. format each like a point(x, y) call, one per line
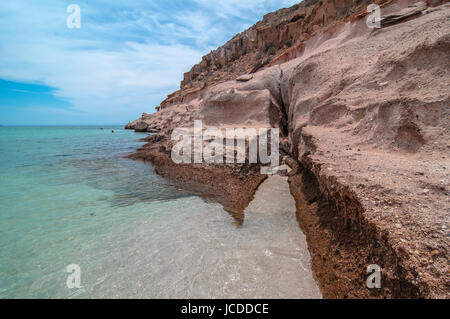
point(124, 60)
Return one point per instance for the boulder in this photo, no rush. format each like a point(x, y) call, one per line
point(410, 11)
point(141, 127)
point(245, 78)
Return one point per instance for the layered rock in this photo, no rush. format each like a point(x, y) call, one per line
point(364, 119)
point(278, 37)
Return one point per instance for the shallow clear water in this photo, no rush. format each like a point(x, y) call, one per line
point(68, 197)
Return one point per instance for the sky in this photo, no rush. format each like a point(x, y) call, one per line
point(125, 58)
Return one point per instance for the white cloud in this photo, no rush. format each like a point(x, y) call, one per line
point(95, 80)
point(126, 58)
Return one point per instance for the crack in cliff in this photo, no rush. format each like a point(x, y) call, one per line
point(284, 115)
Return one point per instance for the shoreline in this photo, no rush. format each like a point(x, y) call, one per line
point(234, 188)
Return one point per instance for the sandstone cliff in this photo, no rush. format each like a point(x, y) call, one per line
point(364, 121)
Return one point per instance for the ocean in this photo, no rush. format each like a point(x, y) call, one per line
point(69, 197)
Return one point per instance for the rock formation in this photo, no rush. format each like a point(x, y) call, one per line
point(364, 123)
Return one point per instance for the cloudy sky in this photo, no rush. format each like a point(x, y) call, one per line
point(126, 57)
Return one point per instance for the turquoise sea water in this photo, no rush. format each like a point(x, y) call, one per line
point(63, 190)
point(67, 196)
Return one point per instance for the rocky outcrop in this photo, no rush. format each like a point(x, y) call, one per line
point(281, 37)
point(363, 115)
point(410, 11)
point(281, 33)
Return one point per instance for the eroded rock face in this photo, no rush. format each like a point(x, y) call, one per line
point(279, 31)
point(280, 37)
point(252, 103)
point(362, 129)
point(365, 118)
